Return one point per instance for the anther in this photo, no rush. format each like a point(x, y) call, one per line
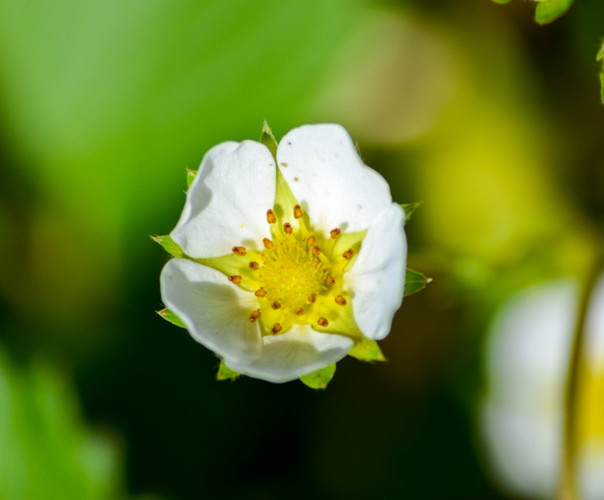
point(267, 243)
point(297, 212)
point(335, 232)
point(254, 265)
point(261, 292)
point(287, 227)
point(299, 311)
point(270, 216)
point(330, 281)
point(276, 329)
point(341, 301)
point(235, 279)
point(311, 241)
point(239, 250)
point(323, 322)
point(312, 297)
point(254, 316)
point(348, 254)
point(316, 251)
point(276, 305)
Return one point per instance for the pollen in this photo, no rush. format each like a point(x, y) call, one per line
point(316, 251)
point(323, 322)
point(330, 280)
point(254, 266)
point(254, 316)
point(334, 233)
point(276, 329)
point(311, 241)
point(236, 279)
point(270, 216)
point(267, 243)
point(297, 212)
point(348, 254)
point(276, 305)
point(239, 251)
point(287, 227)
point(341, 301)
point(261, 292)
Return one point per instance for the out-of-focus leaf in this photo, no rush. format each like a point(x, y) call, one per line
point(550, 10)
point(225, 373)
point(414, 282)
point(171, 317)
point(169, 245)
point(501, 1)
point(367, 350)
point(409, 208)
point(320, 378)
point(600, 57)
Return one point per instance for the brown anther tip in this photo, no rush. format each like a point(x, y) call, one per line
point(334, 233)
point(270, 216)
point(239, 250)
point(311, 241)
point(341, 301)
point(261, 292)
point(316, 251)
point(312, 297)
point(348, 254)
point(254, 265)
point(276, 329)
point(235, 279)
point(299, 312)
point(254, 316)
point(323, 322)
point(287, 227)
point(330, 280)
point(276, 305)
point(267, 243)
point(297, 212)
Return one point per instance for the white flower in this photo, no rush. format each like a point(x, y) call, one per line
point(528, 352)
point(288, 267)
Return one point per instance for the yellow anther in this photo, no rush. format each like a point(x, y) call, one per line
point(236, 279)
point(276, 305)
point(261, 292)
point(348, 254)
point(267, 243)
point(287, 227)
point(312, 297)
point(276, 329)
point(334, 233)
point(254, 316)
point(254, 265)
point(330, 281)
point(270, 216)
point(239, 250)
point(341, 301)
point(316, 251)
point(311, 241)
point(323, 322)
point(297, 212)
point(299, 312)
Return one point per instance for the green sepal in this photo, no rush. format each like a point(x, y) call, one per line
point(600, 57)
point(367, 350)
point(409, 208)
point(320, 378)
point(550, 10)
point(229, 265)
point(501, 1)
point(225, 373)
point(285, 201)
point(414, 282)
point(171, 317)
point(169, 245)
point(190, 177)
point(268, 139)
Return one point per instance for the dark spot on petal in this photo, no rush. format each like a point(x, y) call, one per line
point(289, 143)
point(283, 164)
point(296, 179)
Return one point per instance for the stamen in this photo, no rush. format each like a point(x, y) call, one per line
point(297, 212)
point(312, 297)
point(287, 227)
point(299, 312)
point(267, 243)
point(254, 316)
point(270, 216)
point(316, 251)
point(254, 265)
point(261, 292)
point(236, 279)
point(276, 305)
point(330, 280)
point(341, 301)
point(335, 232)
point(348, 254)
point(276, 329)
point(323, 322)
point(311, 241)
point(239, 251)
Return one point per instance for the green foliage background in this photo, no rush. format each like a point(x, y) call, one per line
point(490, 120)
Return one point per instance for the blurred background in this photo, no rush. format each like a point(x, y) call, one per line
point(490, 120)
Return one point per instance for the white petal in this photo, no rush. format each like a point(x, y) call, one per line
point(298, 352)
point(215, 312)
point(329, 179)
point(226, 204)
point(377, 279)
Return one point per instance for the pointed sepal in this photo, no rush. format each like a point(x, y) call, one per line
point(169, 245)
point(268, 139)
point(367, 350)
point(225, 373)
point(171, 317)
point(414, 282)
point(547, 11)
point(320, 378)
point(190, 177)
point(600, 57)
point(409, 208)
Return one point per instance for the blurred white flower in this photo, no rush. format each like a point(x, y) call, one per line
point(527, 357)
point(287, 266)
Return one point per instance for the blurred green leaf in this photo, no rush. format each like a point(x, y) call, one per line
point(600, 57)
point(171, 317)
point(550, 10)
point(169, 245)
point(320, 378)
point(414, 282)
point(367, 350)
point(190, 177)
point(409, 208)
point(268, 139)
point(502, 1)
point(225, 373)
